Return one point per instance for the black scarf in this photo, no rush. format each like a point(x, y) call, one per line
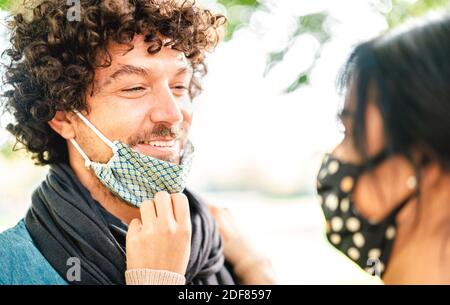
point(65, 221)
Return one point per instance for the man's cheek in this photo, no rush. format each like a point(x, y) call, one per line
point(187, 109)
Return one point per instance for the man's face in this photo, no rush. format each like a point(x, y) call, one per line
point(142, 100)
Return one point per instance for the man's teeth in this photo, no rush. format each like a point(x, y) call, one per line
point(160, 143)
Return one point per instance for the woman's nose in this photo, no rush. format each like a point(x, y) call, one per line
point(346, 152)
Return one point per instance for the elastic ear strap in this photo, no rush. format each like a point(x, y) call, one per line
point(97, 132)
point(87, 162)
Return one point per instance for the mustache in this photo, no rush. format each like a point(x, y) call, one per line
point(158, 131)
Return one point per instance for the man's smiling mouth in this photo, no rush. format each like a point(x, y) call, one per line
point(165, 149)
point(159, 143)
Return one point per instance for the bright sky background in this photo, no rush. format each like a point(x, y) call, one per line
point(248, 133)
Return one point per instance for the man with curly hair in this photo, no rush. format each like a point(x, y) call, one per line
point(106, 102)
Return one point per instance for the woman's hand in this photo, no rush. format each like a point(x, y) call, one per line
point(161, 240)
point(236, 246)
point(250, 266)
point(228, 227)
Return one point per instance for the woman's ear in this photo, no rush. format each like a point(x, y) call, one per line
point(431, 174)
point(63, 125)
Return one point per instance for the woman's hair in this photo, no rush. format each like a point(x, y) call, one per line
point(53, 59)
point(409, 72)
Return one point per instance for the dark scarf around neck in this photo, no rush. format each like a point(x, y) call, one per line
point(64, 221)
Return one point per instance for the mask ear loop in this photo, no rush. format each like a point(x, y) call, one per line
point(87, 162)
point(97, 132)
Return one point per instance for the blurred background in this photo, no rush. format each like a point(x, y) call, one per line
point(267, 115)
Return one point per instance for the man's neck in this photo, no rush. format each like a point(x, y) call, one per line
point(101, 194)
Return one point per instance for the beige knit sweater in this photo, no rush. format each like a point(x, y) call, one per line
point(250, 267)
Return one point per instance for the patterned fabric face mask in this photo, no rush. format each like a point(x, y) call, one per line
point(135, 177)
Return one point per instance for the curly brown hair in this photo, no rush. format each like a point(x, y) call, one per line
point(53, 60)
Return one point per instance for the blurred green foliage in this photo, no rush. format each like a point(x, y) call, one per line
point(403, 10)
point(238, 13)
point(4, 4)
point(313, 24)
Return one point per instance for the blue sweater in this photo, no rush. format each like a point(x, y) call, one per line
point(21, 263)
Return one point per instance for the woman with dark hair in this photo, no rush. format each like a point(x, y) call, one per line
point(385, 188)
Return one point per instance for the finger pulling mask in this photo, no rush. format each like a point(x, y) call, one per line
point(135, 177)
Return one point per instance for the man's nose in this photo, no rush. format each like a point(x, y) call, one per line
point(166, 108)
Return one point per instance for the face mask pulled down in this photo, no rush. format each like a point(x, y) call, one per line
point(135, 177)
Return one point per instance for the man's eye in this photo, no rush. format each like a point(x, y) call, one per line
point(180, 90)
point(134, 89)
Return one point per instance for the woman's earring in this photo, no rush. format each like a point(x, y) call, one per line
point(411, 182)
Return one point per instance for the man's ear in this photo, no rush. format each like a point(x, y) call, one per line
point(63, 125)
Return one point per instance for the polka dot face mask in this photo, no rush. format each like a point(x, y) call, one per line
point(136, 177)
point(367, 243)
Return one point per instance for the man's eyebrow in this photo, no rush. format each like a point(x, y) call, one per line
point(129, 69)
point(123, 70)
point(187, 69)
